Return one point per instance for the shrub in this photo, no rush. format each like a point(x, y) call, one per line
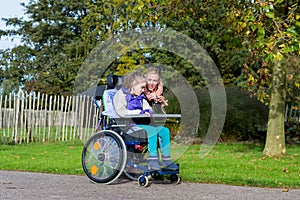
point(246, 118)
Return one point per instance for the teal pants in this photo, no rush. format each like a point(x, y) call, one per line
point(153, 133)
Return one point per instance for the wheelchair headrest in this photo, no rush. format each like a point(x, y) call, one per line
point(113, 81)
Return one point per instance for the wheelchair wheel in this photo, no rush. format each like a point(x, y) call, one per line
point(143, 181)
point(104, 157)
point(174, 178)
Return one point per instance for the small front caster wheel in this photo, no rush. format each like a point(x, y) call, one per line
point(143, 181)
point(174, 178)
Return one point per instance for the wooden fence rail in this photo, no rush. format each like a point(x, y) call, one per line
point(292, 113)
point(39, 118)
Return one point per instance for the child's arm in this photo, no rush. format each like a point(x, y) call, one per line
point(160, 89)
point(159, 95)
point(120, 105)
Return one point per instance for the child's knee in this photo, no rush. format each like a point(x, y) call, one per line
point(164, 132)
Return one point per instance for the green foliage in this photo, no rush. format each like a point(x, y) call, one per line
point(246, 118)
point(51, 52)
point(269, 31)
point(244, 38)
point(206, 22)
point(168, 63)
point(240, 37)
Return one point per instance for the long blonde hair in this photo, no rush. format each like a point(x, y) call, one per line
point(153, 70)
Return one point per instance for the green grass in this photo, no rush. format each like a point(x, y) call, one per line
point(234, 164)
point(59, 157)
point(42, 134)
point(242, 164)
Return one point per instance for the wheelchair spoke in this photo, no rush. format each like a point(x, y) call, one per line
point(103, 157)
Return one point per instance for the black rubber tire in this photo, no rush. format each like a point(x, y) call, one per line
point(104, 157)
point(174, 178)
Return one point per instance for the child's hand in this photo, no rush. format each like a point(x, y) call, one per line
point(162, 100)
point(152, 96)
point(148, 114)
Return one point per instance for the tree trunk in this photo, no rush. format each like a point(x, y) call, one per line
point(275, 142)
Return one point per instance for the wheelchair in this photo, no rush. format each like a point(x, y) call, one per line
point(119, 148)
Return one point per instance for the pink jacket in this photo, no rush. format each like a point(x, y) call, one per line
point(159, 95)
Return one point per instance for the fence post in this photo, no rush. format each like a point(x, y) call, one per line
point(1, 114)
point(57, 118)
point(50, 111)
point(64, 111)
point(29, 119)
point(35, 117)
point(16, 118)
point(69, 120)
point(22, 134)
point(5, 119)
point(76, 110)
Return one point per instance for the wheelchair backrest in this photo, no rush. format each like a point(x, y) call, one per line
point(109, 108)
point(104, 96)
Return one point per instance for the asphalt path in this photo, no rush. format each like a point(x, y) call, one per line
point(38, 186)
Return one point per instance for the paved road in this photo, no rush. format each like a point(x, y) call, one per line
point(37, 186)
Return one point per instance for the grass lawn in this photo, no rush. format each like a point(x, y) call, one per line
point(227, 163)
point(242, 164)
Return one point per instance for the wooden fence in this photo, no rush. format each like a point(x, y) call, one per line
point(39, 118)
point(292, 113)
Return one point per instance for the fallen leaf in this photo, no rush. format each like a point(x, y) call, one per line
point(285, 170)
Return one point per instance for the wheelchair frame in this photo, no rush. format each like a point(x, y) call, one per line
point(111, 151)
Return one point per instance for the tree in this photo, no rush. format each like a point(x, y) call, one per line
point(255, 44)
point(271, 34)
point(14, 63)
point(256, 38)
point(52, 50)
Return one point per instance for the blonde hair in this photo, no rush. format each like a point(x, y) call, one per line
point(153, 70)
point(133, 78)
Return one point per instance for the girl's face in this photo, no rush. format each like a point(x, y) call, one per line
point(152, 81)
point(138, 88)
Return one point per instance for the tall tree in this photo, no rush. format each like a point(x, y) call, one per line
point(259, 38)
point(52, 50)
point(271, 33)
point(253, 37)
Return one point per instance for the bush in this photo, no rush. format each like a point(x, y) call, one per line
point(246, 118)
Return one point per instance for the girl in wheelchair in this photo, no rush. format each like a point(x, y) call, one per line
point(131, 100)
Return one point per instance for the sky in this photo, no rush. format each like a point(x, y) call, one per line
point(8, 9)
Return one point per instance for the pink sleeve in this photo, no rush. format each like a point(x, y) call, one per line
point(160, 89)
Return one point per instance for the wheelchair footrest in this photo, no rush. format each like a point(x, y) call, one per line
point(162, 171)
